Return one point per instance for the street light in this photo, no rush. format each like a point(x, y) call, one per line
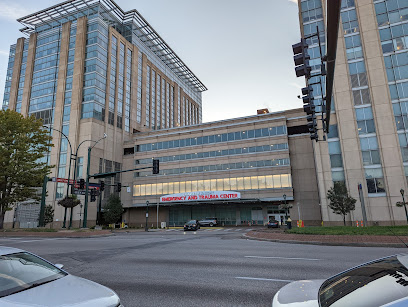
point(69, 176)
point(88, 167)
point(403, 201)
point(286, 208)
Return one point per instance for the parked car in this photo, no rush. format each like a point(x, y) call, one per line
point(209, 221)
point(28, 280)
point(273, 224)
point(192, 225)
point(382, 282)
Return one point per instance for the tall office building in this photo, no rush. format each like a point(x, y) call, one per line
point(367, 144)
point(87, 68)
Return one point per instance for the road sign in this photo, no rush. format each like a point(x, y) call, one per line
point(63, 180)
point(82, 192)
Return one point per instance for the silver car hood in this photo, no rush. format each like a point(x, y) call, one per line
point(302, 293)
point(66, 291)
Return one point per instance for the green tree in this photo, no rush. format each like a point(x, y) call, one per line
point(48, 214)
point(113, 209)
point(23, 145)
point(340, 201)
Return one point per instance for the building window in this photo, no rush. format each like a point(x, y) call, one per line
point(369, 150)
point(353, 47)
point(350, 22)
point(80, 167)
point(335, 154)
point(361, 97)
point(358, 74)
point(279, 181)
point(365, 120)
point(375, 180)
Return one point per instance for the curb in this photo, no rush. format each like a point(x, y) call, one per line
point(367, 244)
point(57, 237)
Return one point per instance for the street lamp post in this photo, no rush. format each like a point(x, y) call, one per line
point(69, 173)
point(286, 208)
point(88, 168)
point(403, 201)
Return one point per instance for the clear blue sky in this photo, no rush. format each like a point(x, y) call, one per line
point(240, 49)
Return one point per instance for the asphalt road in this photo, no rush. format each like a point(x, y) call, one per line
point(203, 268)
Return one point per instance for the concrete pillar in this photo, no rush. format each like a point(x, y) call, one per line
point(78, 81)
point(29, 74)
point(18, 58)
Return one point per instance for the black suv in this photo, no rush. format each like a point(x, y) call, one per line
point(209, 221)
point(192, 225)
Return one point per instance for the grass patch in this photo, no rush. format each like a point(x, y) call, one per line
point(31, 230)
point(349, 230)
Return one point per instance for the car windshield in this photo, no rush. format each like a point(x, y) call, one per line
point(374, 284)
point(21, 271)
point(191, 222)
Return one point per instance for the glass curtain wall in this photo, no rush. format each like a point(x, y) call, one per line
point(96, 59)
point(392, 20)
point(362, 102)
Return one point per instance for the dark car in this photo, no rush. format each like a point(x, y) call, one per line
point(208, 221)
point(273, 224)
point(192, 225)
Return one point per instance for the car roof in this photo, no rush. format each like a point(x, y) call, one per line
point(5, 250)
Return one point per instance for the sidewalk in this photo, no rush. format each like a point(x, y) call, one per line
point(57, 234)
point(344, 240)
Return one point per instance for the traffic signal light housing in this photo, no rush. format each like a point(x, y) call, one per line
point(118, 187)
point(81, 184)
point(301, 59)
point(156, 168)
point(93, 195)
point(102, 185)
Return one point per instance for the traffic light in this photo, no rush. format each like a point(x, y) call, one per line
point(118, 187)
point(301, 59)
point(93, 195)
point(308, 100)
point(102, 185)
point(156, 166)
point(81, 184)
point(312, 123)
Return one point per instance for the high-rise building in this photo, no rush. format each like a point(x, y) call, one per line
point(87, 68)
point(367, 144)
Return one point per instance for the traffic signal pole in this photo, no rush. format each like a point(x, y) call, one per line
point(88, 167)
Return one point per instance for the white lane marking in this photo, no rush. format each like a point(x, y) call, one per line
point(36, 240)
point(286, 258)
point(227, 229)
point(237, 229)
point(265, 279)
point(249, 229)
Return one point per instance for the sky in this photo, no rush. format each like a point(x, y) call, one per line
point(241, 50)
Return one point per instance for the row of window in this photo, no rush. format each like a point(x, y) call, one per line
point(218, 167)
point(216, 138)
point(224, 184)
point(391, 11)
point(217, 153)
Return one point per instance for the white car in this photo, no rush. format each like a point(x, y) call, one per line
point(382, 282)
point(28, 280)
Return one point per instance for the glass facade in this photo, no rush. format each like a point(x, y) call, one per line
point(216, 138)
point(361, 98)
point(218, 167)
point(336, 160)
point(96, 59)
point(9, 76)
point(217, 153)
point(280, 181)
point(392, 20)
